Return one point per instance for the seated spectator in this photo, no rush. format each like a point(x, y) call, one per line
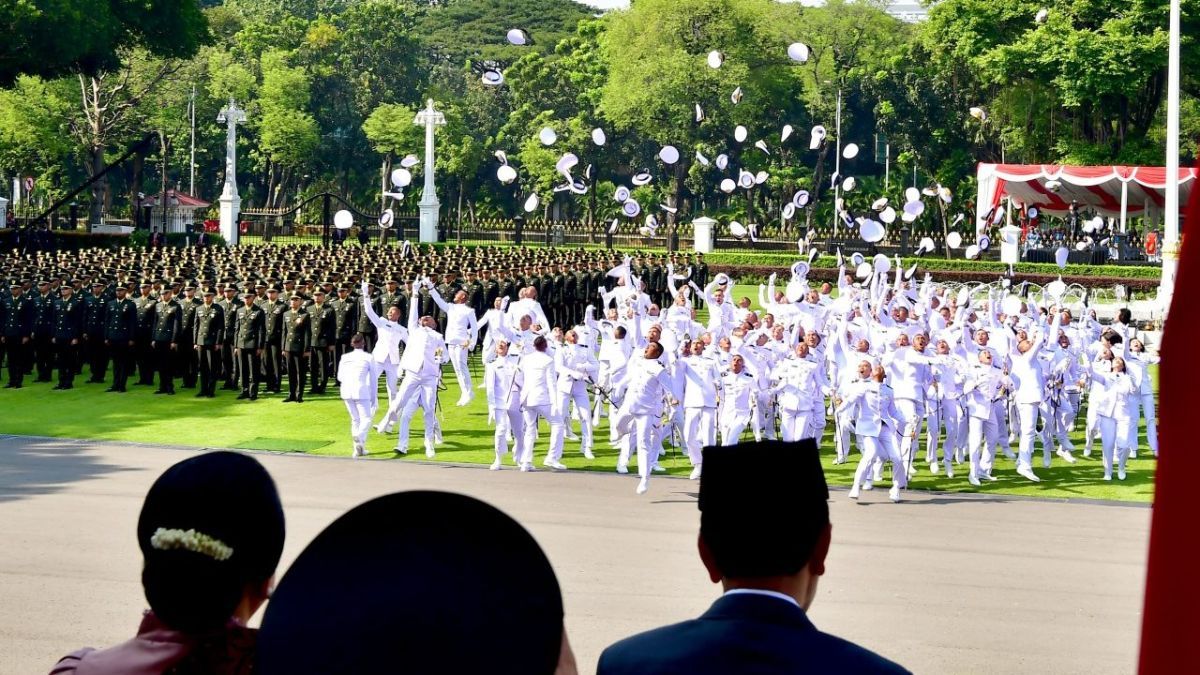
point(211, 533)
point(418, 582)
point(764, 537)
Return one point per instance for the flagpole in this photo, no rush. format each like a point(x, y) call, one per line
point(1170, 246)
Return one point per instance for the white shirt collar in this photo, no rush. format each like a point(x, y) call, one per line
point(758, 591)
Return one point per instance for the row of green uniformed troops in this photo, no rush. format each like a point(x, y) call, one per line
point(206, 338)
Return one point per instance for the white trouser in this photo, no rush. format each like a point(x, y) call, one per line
point(582, 413)
point(1146, 403)
point(981, 439)
point(1027, 414)
point(391, 373)
point(508, 420)
point(699, 430)
point(733, 425)
point(530, 415)
point(911, 413)
point(845, 422)
point(1058, 425)
point(649, 443)
point(764, 417)
point(1111, 430)
point(361, 412)
point(415, 391)
point(797, 425)
point(1091, 426)
point(881, 448)
point(942, 413)
point(458, 360)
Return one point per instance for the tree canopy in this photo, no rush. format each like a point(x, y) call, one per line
point(331, 87)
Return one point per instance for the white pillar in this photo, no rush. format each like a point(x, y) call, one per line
point(231, 202)
point(1124, 206)
point(1170, 245)
point(429, 204)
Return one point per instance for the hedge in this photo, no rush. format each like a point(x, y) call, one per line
point(935, 264)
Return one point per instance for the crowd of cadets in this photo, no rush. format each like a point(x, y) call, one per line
point(256, 318)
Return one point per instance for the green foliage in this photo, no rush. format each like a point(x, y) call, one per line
point(50, 39)
point(34, 119)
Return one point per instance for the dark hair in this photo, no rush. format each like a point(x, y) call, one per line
point(654, 350)
point(759, 530)
point(619, 332)
point(358, 339)
point(225, 496)
point(1124, 315)
point(539, 343)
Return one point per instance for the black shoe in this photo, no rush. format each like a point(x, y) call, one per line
point(10, 385)
point(160, 391)
point(111, 390)
point(201, 395)
point(290, 399)
point(57, 387)
point(17, 386)
point(300, 399)
point(243, 396)
point(253, 397)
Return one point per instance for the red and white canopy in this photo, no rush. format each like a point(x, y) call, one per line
point(1108, 190)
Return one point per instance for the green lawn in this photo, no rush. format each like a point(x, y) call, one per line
point(320, 426)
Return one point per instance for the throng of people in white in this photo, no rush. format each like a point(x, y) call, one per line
point(883, 360)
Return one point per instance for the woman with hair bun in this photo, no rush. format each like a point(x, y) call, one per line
point(211, 533)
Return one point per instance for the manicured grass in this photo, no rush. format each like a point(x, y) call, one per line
point(321, 426)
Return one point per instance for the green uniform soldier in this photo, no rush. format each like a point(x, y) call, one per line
point(43, 331)
point(208, 334)
point(165, 339)
point(188, 361)
point(143, 354)
point(229, 305)
point(68, 332)
point(249, 342)
point(273, 309)
point(94, 350)
point(296, 350)
point(120, 330)
point(17, 309)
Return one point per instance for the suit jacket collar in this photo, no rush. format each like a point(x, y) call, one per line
point(760, 608)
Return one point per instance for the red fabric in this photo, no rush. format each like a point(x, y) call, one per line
point(1171, 620)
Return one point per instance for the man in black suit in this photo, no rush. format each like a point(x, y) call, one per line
point(769, 566)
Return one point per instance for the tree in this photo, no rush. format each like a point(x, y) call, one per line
point(656, 57)
point(91, 38)
point(287, 133)
point(33, 127)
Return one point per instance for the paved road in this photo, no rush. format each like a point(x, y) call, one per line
point(942, 583)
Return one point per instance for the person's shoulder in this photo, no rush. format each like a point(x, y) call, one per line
point(851, 657)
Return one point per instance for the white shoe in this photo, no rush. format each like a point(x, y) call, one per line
point(622, 468)
point(437, 436)
point(557, 466)
point(1012, 438)
point(933, 467)
point(391, 427)
point(838, 460)
point(868, 485)
point(894, 494)
point(571, 435)
point(1066, 456)
point(695, 473)
point(358, 450)
point(1108, 476)
point(401, 451)
point(462, 402)
point(482, 386)
point(587, 454)
point(973, 480)
point(990, 477)
point(1009, 453)
point(379, 428)
point(853, 493)
point(1120, 473)
point(643, 486)
point(527, 467)
point(430, 453)
point(1045, 461)
point(1028, 473)
point(658, 469)
point(496, 465)
point(949, 470)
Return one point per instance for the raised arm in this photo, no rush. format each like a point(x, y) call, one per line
point(413, 318)
point(369, 308)
point(437, 298)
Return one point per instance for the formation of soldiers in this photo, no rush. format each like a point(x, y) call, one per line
point(254, 318)
point(573, 337)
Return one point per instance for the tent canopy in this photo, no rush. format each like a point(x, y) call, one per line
point(1113, 191)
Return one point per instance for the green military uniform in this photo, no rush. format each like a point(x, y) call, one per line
point(168, 316)
point(250, 340)
point(95, 353)
point(143, 353)
point(17, 311)
point(208, 334)
point(120, 329)
point(68, 332)
point(296, 340)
